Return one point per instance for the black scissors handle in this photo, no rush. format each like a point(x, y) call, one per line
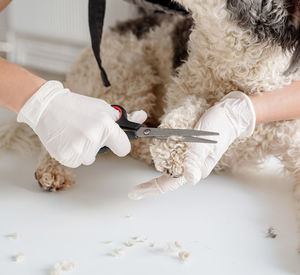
point(125, 124)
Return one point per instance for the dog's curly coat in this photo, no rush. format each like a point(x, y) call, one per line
point(245, 45)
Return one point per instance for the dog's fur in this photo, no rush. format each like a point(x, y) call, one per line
point(246, 45)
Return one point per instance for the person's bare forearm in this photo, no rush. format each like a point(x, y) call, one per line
point(3, 4)
point(17, 85)
point(281, 104)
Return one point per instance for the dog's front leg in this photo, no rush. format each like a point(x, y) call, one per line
point(51, 175)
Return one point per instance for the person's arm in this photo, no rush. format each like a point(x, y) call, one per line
point(72, 127)
point(235, 116)
point(17, 85)
point(3, 4)
point(281, 104)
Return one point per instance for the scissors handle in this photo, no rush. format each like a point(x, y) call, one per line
point(125, 124)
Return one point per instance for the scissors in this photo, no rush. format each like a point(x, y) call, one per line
point(135, 130)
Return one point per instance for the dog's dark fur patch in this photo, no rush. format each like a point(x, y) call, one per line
point(165, 6)
point(140, 26)
point(180, 38)
point(274, 21)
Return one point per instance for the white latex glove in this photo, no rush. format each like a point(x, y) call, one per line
point(73, 127)
point(233, 117)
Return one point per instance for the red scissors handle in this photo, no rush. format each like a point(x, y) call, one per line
point(125, 124)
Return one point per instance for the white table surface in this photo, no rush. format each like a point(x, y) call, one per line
point(221, 222)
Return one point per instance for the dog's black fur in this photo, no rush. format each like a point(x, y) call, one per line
point(274, 21)
point(141, 26)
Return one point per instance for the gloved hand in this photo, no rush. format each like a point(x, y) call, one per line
point(233, 117)
point(73, 127)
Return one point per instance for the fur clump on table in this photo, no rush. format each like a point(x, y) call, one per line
point(19, 257)
point(61, 267)
point(171, 248)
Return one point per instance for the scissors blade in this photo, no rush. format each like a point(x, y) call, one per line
point(165, 132)
point(186, 139)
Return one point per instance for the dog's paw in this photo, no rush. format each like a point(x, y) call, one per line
point(54, 177)
point(168, 157)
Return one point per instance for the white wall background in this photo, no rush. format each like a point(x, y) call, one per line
point(49, 34)
point(66, 20)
